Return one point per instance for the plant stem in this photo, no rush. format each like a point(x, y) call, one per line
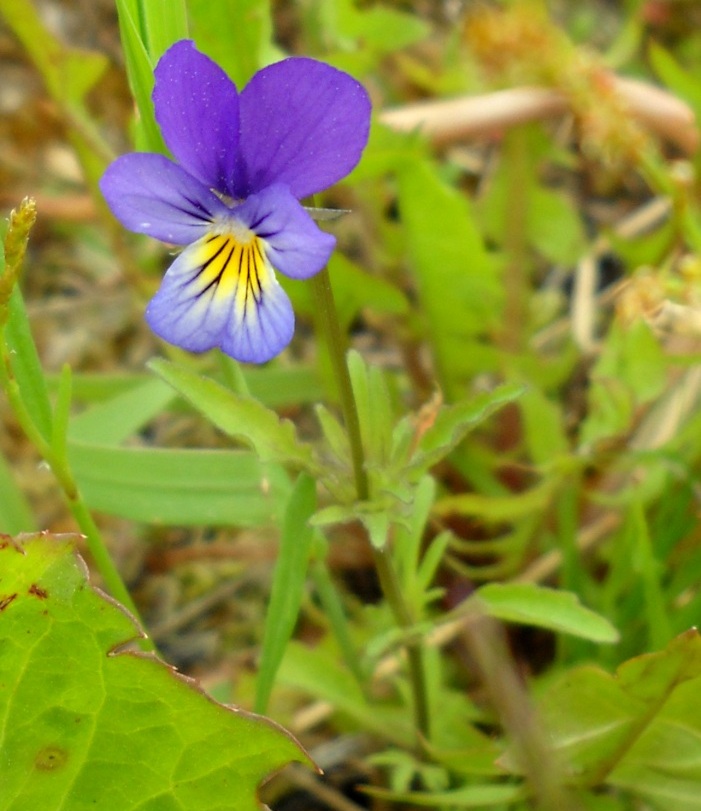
point(60, 469)
point(327, 320)
point(328, 325)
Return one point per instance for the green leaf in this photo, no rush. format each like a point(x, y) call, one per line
point(355, 289)
point(112, 422)
point(274, 386)
point(244, 418)
point(548, 217)
point(639, 730)
point(631, 371)
point(560, 611)
point(458, 283)
point(684, 83)
point(475, 796)
point(537, 410)
point(235, 33)
point(288, 585)
point(115, 729)
point(15, 514)
point(382, 28)
point(68, 73)
point(180, 487)
point(26, 365)
point(452, 423)
point(374, 408)
point(140, 65)
point(164, 22)
point(316, 672)
point(497, 509)
point(375, 29)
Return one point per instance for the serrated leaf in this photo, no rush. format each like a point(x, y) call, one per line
point(639, 729)
point(86, 725)
point(542, 607)
point(241, 417)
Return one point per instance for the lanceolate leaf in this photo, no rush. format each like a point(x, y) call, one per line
point(242, 417)
point(454, 422)
point(85, 724)
point(542, 607)
point(457, 278)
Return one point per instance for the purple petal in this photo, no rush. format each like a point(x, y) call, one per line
point(303, 123)
point(197, 108)
point(294, 244)
point(221, 292)
point(152, 195)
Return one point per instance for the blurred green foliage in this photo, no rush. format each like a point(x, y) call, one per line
point(524, 298)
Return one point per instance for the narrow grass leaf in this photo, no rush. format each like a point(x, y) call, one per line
point(288, 585)
point(165, 22)
point(113, 421)
point(235, 33)
point(140, 67)
point(180, 487)
point(26, 365)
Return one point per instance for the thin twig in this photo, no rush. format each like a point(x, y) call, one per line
point(449, 120)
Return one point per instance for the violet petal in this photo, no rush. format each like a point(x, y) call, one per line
point(222, 293)
point(152, 195)
point(197, 108)
point(303, 123)
point(294, 244)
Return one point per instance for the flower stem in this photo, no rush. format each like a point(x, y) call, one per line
point(325, 308)
point(61, 470)
point(327, 320)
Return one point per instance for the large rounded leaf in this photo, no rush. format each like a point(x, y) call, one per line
point(86, 724)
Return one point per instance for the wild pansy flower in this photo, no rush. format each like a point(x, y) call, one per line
point(242, 163)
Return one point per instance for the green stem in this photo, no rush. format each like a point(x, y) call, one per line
point(327, 320)
point(391, 588)
point(60, 469)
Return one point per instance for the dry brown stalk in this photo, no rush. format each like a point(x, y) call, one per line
point(449, 120)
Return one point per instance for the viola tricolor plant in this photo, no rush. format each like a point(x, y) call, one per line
point(243, 161)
